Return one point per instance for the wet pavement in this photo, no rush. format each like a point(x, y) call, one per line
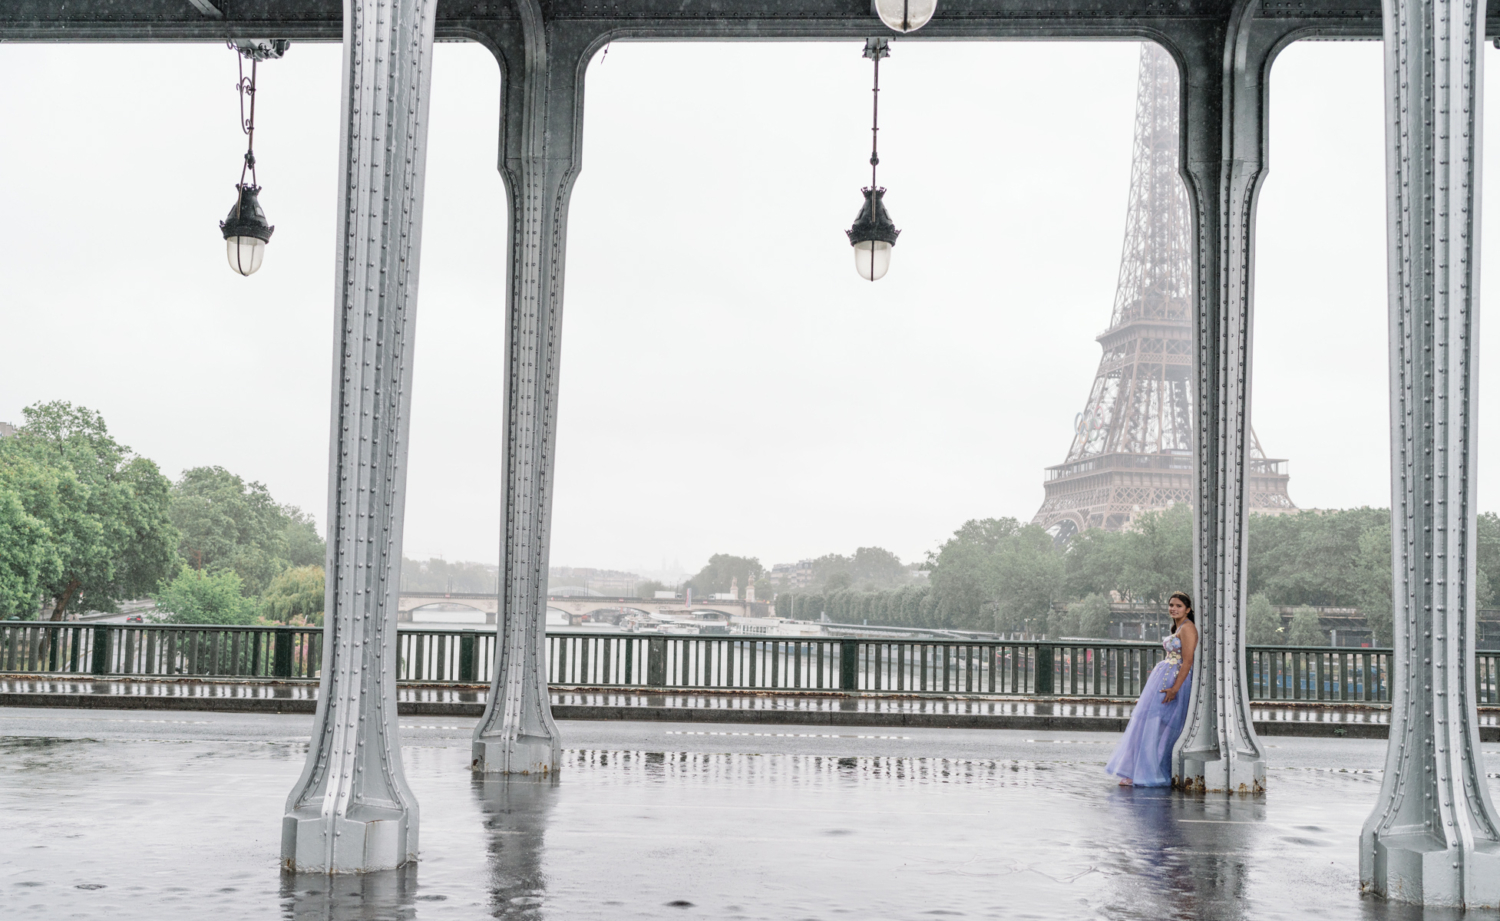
point(164, 816)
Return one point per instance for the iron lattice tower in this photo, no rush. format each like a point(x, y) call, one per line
point(1132, 449)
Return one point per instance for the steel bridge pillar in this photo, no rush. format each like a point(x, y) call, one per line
point(543, 104)
point(1434, 837)
point(1225, 75)
point(352, 810)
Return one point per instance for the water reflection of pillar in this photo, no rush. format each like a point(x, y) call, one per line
point(349, 897)
point(1172, 870)
point(515, 822)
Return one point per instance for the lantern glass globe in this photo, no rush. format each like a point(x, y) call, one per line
point(872, 259)
point(905, 15)
point(245, 254)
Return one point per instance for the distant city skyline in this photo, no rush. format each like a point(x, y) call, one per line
point(728, 383)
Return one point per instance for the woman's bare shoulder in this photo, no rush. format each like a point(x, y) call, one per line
point(1189, 629)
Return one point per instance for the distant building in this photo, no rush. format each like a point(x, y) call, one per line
point(792, 576)
point(6, 429)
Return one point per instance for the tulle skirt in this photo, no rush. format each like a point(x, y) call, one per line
point(1145, 754)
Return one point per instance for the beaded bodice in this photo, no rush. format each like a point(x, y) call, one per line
point(1173, 645)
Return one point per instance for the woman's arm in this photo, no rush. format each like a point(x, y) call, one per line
point(1189, 646)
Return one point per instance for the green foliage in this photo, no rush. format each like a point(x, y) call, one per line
point(722, 571)
point(1063, 622)
point(303, 545)
point(1262, 623)
point(295, 592)
point(1315, 558)
point(227, 523)
point(100, 511)
point(996, 574)
point(198, 596)
point(1305, 630)
point(1156, 555)
point(29, 554)
point(1093, 616)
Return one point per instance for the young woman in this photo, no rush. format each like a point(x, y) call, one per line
point(1144, 757)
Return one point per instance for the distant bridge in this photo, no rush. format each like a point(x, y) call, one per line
point(575, 605)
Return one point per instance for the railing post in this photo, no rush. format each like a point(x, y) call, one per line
point(1044, 670)
point(281, 666)
point(102, 636)
point(656, 662)
point(467, 673)
point(848, 665)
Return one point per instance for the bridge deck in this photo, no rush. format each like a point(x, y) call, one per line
point(126, 816)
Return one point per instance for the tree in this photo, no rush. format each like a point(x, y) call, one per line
point(1028, 578)
point(295, 592)
point(1156, 555)
point(1305, 630)
point(29, 554)
point(108, 517)
point(303, 545)
point(1063, 622)
point(1262, 623)
point(197, 596)
point(227, 523)
point(1093, 616)
point(724, 570)
point(1094, 560)
point(877, 568)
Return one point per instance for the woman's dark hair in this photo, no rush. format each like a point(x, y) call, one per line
point(1187, 603)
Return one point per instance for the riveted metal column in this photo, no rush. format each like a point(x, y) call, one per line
point(1224, 116)
point(352, 810)
point(1434, 837)
point(543, 87)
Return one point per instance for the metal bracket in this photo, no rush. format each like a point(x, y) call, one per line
point(207, 9)
point(260, 49)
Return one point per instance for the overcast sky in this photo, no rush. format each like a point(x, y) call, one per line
point(729, 384)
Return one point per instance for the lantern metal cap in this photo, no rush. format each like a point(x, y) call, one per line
point(246, 219)
point(872, 222)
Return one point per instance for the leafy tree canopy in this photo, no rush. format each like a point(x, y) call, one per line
point(295, 593)
point(198, 596)
point(722, 571)
point(93, 523)
point(227, 523)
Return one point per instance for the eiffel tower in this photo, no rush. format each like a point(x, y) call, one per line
point(1132, 449)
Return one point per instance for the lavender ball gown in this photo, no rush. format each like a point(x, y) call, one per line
point(1145, 754)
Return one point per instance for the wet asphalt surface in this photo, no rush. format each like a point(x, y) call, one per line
point(125, 815)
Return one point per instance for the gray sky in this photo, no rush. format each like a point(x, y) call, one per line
point(729, 383)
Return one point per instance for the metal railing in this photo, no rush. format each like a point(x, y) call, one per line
point(1079, 669)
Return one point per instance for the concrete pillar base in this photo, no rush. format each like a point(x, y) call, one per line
point(1222, 775)
point(525, 754)
point(368, 838)
point(1419, 868)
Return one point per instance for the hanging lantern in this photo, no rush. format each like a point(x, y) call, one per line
point(873, 234)
point(905, 15)
point(245, 230)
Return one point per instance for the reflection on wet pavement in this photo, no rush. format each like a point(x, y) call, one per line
point(187, 827)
